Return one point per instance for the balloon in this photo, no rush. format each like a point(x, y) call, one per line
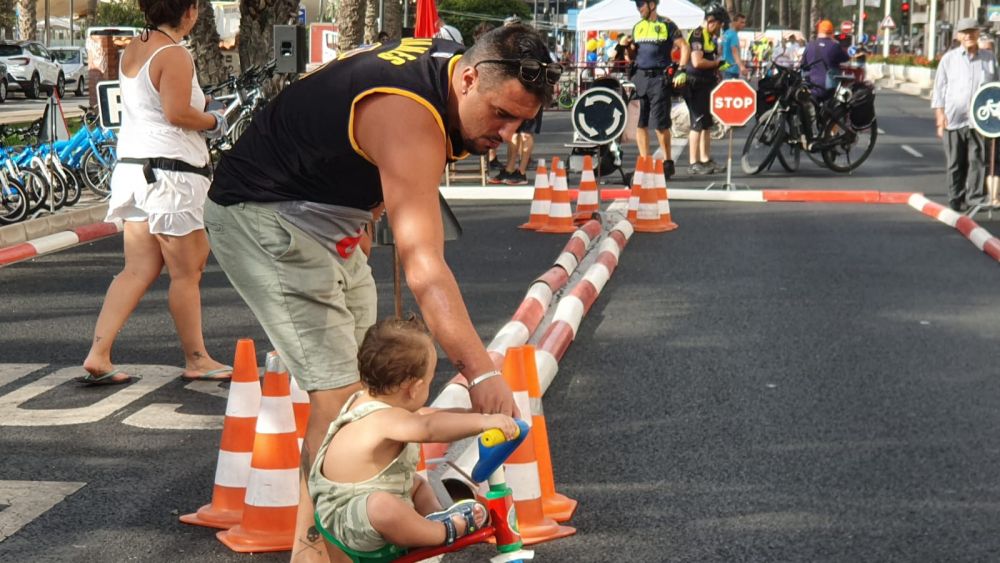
point(600, 43)
point(591, 57)
point(591, 35)
point(614, 35)
point(591, 44)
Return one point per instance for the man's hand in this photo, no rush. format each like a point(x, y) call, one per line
point(493, 396)
point(941, 120)
point(680, 79)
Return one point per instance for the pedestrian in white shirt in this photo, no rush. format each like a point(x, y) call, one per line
point(959, 74)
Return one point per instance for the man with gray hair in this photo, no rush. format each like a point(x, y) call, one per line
point(960, 73)
point(290, 203)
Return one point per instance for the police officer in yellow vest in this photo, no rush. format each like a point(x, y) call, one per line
point(653, 41)
point(703, 76)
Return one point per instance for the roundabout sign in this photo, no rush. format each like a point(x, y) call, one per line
point(599, 115)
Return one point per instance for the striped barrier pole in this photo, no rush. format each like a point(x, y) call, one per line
point(523, 324)
point(556, 339)
point(979, 236)
point(572, 308)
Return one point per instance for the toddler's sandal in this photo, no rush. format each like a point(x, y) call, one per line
point(467, 510)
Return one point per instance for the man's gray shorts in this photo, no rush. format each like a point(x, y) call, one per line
point(314, 309)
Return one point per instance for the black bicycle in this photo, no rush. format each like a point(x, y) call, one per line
point(846, 124)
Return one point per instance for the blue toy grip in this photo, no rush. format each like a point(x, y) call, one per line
point(494, 449)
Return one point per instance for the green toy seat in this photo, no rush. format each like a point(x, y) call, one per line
point(384, 555)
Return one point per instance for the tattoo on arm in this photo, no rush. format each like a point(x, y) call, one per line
point(460, 366)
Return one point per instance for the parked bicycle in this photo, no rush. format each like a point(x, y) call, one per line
point(243, 96)
point(846, 125)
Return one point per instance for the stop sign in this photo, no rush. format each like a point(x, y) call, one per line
point(847, 27)
point(733, 102)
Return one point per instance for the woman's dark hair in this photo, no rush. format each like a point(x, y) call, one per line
point(165, 12)
point(514, 42)
point(393, 352)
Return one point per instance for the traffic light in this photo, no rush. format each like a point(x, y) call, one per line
point(904, 18)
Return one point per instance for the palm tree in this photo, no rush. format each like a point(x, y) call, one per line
point(392, 18)
point(257, 21)
point(7, 22)
point(351, 21)
point(205, 47)
point(27, 23)
point(371, 22)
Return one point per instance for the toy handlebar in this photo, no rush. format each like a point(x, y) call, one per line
point(494, 449)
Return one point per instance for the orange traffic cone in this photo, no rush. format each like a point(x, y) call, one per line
point(300, 406)
point(557, 506)
point(272, 499)
point(539, 215)
point(633, 200)
point(236, 447)
point(522, 465)
point(648, 214)
point(561, 209)
point(587, 200)
point(662, 198)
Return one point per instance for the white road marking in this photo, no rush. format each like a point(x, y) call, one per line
point(28, 500)
point(159, 416)
point(911, 150)
point(880, 131)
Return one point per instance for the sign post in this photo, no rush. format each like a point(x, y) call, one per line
point(599, 116)
point(733, 103)
point(985, 114)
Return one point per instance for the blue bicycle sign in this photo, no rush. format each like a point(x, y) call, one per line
point(985, 110)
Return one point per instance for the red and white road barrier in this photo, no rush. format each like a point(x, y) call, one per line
point(524, 322)
point(555, 340)
point(57, 241)
point(980, 237)
point(572, 308)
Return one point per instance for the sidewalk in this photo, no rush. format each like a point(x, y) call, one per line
point(27, 115)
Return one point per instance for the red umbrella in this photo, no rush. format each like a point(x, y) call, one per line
point(427, 19)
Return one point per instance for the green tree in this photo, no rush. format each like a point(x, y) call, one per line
point(119, 12)
point(467, 14)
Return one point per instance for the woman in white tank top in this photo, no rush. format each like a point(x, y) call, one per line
point(159, 190)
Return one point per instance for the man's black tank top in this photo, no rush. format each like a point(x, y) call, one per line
point(301, 146)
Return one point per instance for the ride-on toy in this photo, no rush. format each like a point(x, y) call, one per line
point(494, 449)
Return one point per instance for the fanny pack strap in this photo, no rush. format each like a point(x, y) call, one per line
point(171, 164)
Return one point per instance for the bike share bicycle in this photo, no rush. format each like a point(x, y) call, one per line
point(844, 123)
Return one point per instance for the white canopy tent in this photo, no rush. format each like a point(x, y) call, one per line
point(622, 15)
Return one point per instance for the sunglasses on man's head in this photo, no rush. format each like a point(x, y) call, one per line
point(531, 70)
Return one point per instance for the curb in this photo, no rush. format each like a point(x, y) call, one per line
point(978, 236)
point(57, 241)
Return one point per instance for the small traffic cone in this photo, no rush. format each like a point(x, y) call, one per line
point(662, 197)
point(272, 498)
point(236, 448)
point(648, 213)
point(561, 210)
point(633, 200)
point(300, 406)
point(539, 215)
point(522, 465)
point(587, 199)
point(557, 506)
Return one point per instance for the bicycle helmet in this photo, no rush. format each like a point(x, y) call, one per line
point(717, 12)
point(512, 20)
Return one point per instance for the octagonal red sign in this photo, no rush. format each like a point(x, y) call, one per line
point(733, 102)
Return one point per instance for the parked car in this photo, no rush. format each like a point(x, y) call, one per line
point(32, 69)
point(3, 83)
point(74, 65)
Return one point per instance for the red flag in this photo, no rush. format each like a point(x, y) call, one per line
point(427, 23)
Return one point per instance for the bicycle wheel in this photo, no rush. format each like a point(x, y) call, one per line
point(763, 143)
point(13, 202)
point(848, 146)
point(57, 187)
point(791, 152)
point(73, 188)
point(238, 129)
point(96, 167)
point(36, 187)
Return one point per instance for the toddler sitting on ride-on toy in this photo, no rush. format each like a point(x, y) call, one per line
point(364, 484)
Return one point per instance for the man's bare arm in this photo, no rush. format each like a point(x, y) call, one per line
point(403, 138)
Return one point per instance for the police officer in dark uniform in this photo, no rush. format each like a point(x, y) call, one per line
point(703, 72)
point(653, 40)
point(373, 130)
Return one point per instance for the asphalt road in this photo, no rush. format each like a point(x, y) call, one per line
point(770, 382)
